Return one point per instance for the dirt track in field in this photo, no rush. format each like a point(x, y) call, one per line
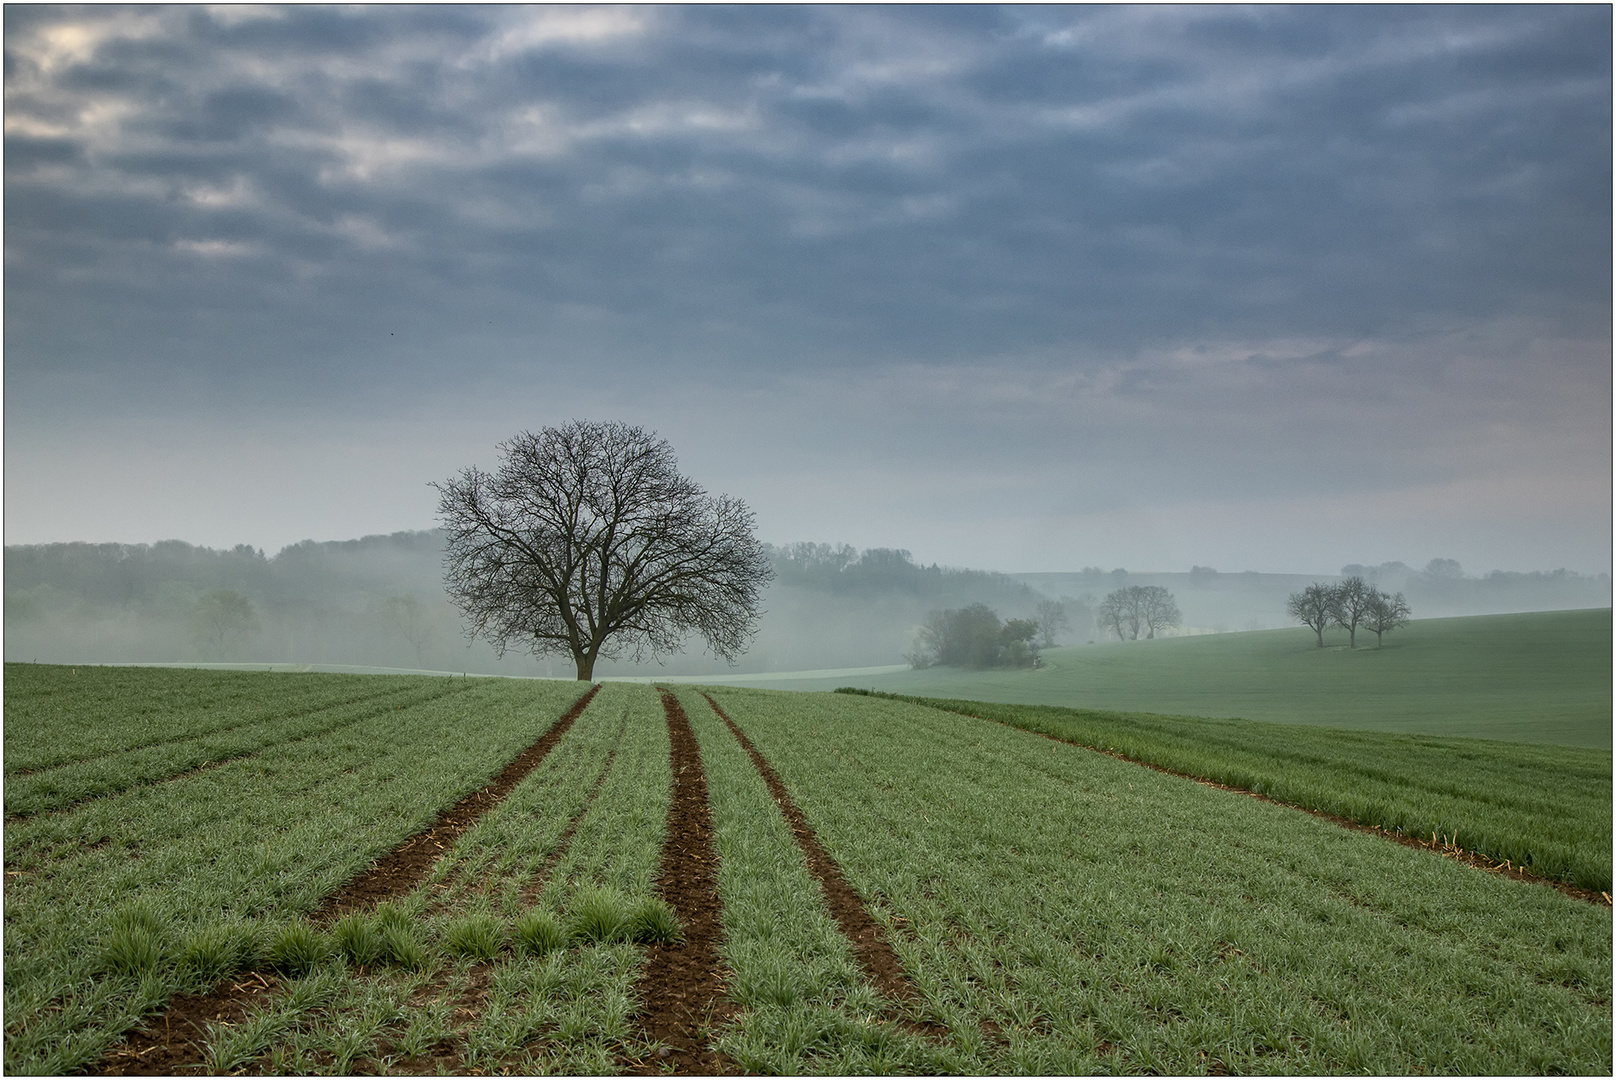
point(875, 954)
point(172, 1042)
point(401, 869)
point(682, 989)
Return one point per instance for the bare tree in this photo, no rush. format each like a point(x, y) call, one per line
point(1118, 615)
point(1050, 615)
point(1351, 605)
point(1150, 608)
point(588, 542)
point(1385, 613)
point(1313, 607)
point(220, 619)
point(1157, 608)
point(416, 622)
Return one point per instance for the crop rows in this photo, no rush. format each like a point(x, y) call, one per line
point(1543, 809)
point(56, 715)
point(517, 952)
point(807, 1005)
point(259, 838)
point(107, 774)
point(1041, 908)
point(1088, 915)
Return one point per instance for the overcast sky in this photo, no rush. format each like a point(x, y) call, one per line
point(1016, 288)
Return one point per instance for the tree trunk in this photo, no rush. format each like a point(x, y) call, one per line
point(1319, 630)
point(586, 668)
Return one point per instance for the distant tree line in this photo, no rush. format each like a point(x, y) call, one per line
point(1443, 584)
point(1349, 604)
point(1147, 608)
point(841, 569)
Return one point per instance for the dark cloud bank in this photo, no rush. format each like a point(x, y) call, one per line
point(1023, 288)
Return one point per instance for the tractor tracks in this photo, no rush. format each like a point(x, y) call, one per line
point(174, 1039)
point(682, 988)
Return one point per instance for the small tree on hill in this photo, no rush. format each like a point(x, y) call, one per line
point(1119, 616)
point(1314, 607)
point(1352, 598)
point(1157, 608)
point(1018, 645)
point(1385, 614)
point(1052, 619)
point(1150, 608)
point(973, 637)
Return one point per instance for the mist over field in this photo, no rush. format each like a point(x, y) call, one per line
point(379, 601)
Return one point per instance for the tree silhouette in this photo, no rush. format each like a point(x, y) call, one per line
point(588, 542)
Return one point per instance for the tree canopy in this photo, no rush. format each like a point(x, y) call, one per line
point(588, 542)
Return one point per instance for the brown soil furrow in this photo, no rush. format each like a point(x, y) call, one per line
point(535, 886)
point(401, 869)
point(875, 954)
point(172, 1041)
point(172, 1044)
point(682, 989)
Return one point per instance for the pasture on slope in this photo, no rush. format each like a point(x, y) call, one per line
point(1535, 677)
point(1054, 910)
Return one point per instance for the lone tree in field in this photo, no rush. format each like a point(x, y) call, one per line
point(1313, 607)
point(588, 542)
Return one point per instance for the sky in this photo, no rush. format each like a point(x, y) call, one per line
point(1025, 289)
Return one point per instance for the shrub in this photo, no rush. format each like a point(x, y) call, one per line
point(134, 943)
point(401, 946)
point(216, 950)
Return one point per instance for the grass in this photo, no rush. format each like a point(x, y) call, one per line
point(57, 714)
point(1545, 809)
point(1060, 911)
point(807, 1007)
point(506, 981)
point(1536, 677)
point(261, 837)
point(1101, 917)
point(73, 782)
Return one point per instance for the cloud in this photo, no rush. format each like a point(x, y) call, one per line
point(1167, 244)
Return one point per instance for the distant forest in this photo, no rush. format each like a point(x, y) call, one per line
point(379, 601)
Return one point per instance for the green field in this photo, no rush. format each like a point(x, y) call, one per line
point(1534, 677)
point(1057, 910)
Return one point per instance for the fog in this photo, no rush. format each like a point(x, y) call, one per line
point(379, 602)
